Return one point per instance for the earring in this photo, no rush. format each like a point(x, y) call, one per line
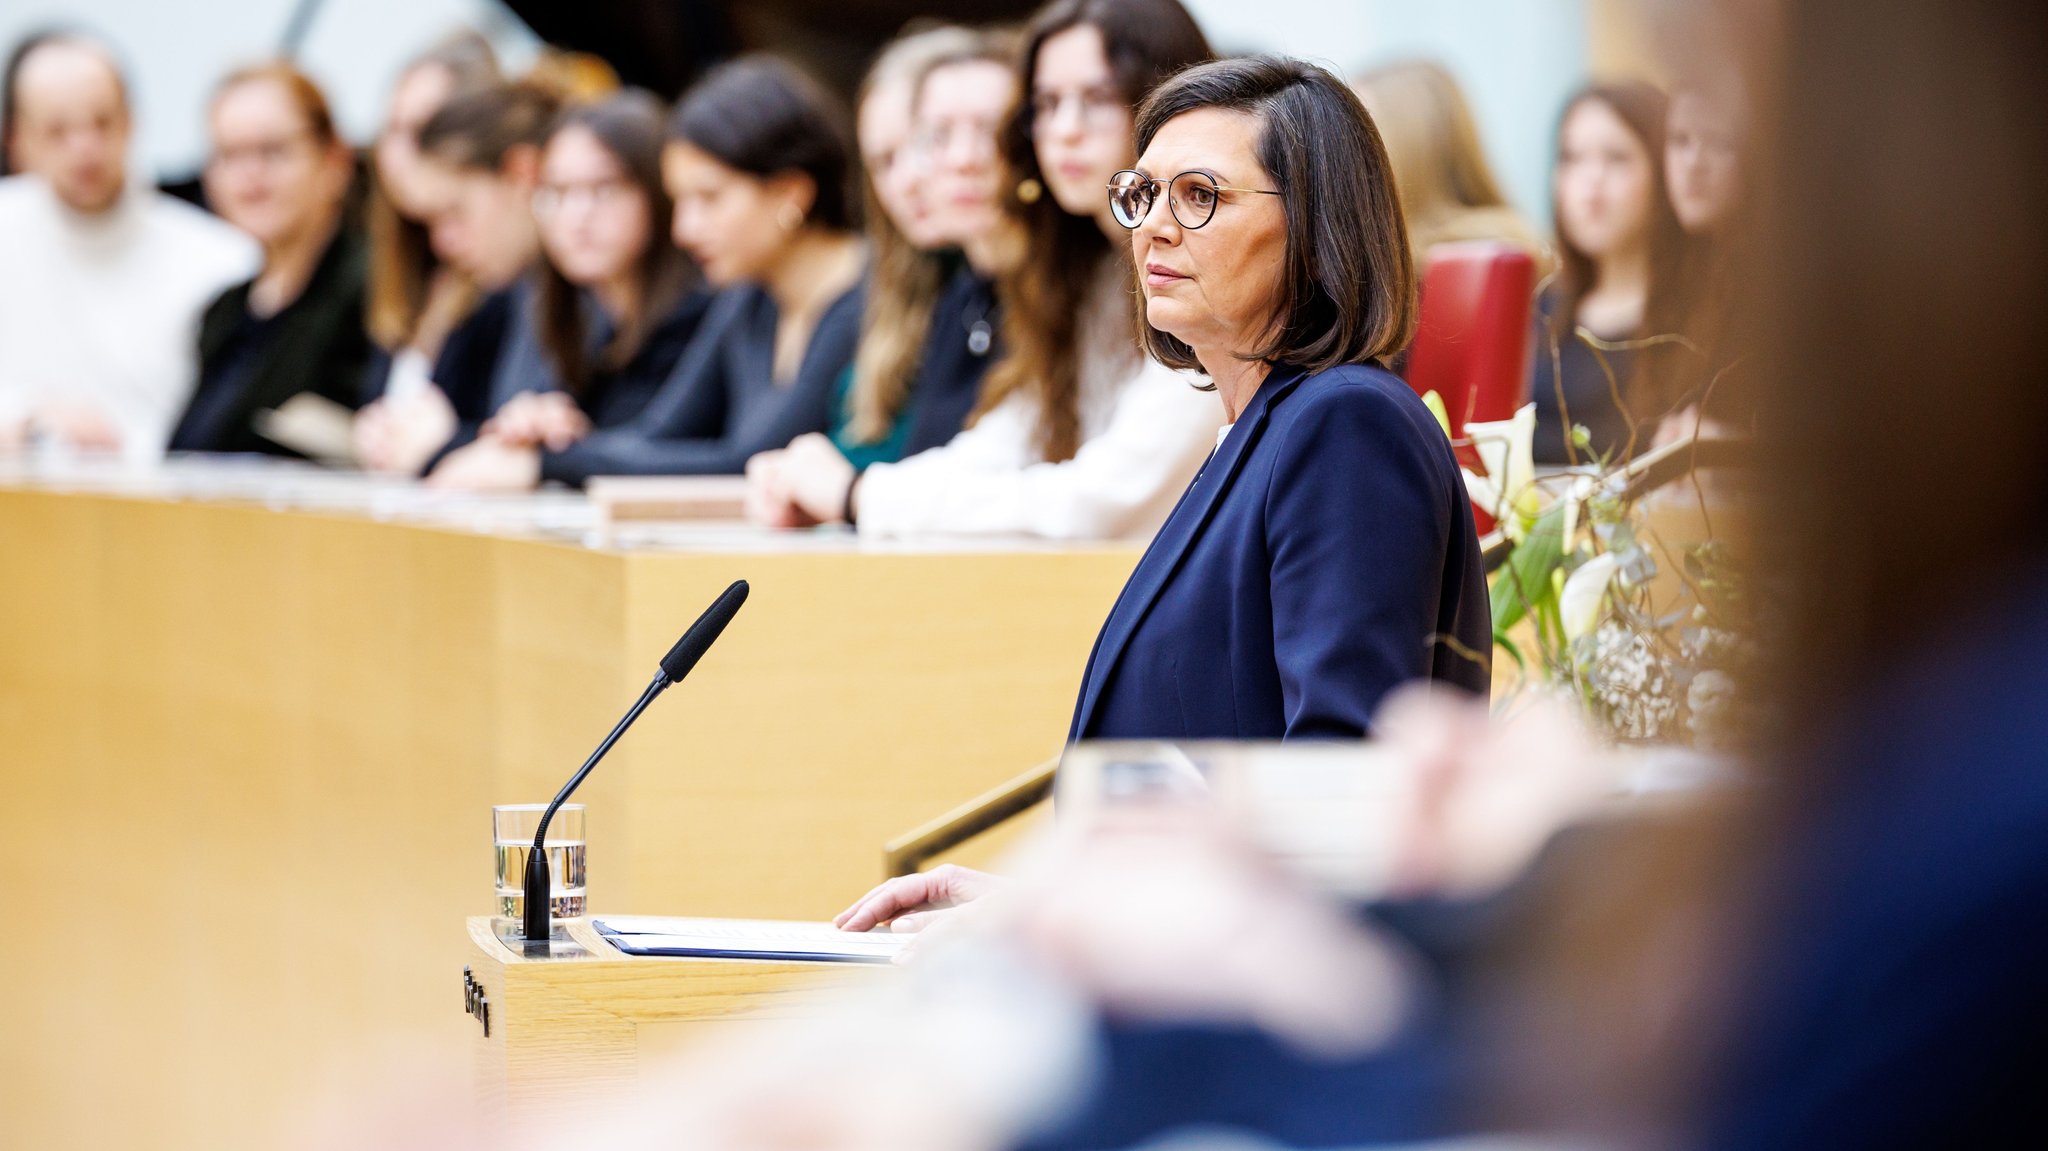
point(790, 217)
point(1029, 190)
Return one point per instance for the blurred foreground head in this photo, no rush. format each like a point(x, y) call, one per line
point(1858, 944)
point(1906, 223)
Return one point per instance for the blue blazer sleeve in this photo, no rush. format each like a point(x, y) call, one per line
point(1358, 525)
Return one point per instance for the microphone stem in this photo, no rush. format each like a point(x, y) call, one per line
point(539, 883)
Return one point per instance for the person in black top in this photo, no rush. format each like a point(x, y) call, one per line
point(1609, 328)
point(602, 323)
point(479, 164)
point(279, 172)
point(759, 170)
point(414, 298)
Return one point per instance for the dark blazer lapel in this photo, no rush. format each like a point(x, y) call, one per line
point(1171, 545)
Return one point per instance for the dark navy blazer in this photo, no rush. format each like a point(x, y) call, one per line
point(1318, 561)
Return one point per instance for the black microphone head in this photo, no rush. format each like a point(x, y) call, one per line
point(702, 634)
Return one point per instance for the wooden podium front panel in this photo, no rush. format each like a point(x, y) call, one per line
point(252, 756)
point(578, 1032)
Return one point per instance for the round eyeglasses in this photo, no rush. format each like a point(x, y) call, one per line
point(1191, 197)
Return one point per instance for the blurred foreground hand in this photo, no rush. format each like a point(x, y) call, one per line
point(396, 436)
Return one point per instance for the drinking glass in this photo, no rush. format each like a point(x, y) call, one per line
point(513, 825)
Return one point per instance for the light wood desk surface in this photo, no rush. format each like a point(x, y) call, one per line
point(251, 756)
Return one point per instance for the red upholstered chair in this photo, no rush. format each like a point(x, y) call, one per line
point(1472, 339)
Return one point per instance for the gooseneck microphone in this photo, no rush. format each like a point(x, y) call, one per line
point(674, 666)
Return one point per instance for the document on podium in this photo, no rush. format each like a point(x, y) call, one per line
point(748, 939)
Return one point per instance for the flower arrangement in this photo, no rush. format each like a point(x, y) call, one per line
point(1576, 604)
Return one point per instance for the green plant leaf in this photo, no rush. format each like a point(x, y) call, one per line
point(1525, 580)
point(1514, 652)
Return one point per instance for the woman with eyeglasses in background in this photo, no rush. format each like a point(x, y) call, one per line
point(613, 307)
point(1076, 436)
point(900, 394)
point(280, 172)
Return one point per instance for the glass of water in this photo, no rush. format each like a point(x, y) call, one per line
point(513, 825)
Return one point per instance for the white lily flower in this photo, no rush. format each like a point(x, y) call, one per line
point(1506, 448)
point(1578, 605)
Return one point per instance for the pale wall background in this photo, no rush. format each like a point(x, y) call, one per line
point(1517, 58)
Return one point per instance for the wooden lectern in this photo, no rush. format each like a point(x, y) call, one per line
point(571, 1021)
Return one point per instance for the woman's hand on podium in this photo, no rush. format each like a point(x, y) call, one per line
point(912, 902)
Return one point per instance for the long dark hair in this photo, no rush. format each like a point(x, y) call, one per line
point(1347, 290)
point(1146, 41)
point(629, 125)
point(764, 116)
point(1644, 110)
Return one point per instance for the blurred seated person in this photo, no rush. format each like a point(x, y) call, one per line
point(280, 172)
point(103, 279)
point(479, 168)
point(1448, 190)
point(1076, 434)
point(914, 378)
point(1325, 554)
point(951, 103)
point(414, 298)
point(1704, 170)
point(760, 170)
point(1609, 350)
point(615, 306)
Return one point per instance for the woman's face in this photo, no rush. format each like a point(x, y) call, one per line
point(1605, 182)
point(418, 95)
point(595, 223)
point(1080, 125)
point(900, 169)
point(1700, 161)
point(736, 225)
point(267, 174)
point(959, 110)
point(1216, 287)
point(480, 222)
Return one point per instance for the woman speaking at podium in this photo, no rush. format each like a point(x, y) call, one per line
point(1325, 553)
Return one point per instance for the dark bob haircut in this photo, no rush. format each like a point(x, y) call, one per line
point(765, 117)
point(1347, 287)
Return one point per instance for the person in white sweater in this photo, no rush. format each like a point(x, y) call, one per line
point(1078, 436)
point(103, 282)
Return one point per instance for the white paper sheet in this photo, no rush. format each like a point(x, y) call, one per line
point(749, 938)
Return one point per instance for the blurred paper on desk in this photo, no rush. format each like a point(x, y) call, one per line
point(313, 426)
point(795, 940)
point(1333, 813)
